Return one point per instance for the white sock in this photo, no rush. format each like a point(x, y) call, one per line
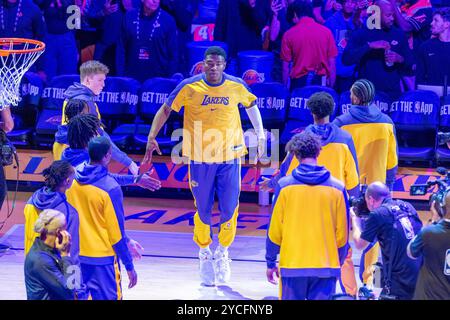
point(221, 248)
point(206, 249)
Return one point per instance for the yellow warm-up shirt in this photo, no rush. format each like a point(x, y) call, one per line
point(212, 124)
point(376, 146)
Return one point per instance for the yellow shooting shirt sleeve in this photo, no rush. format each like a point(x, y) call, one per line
point(98, 112)
point(342, 220)
point(351, 172)
point(31, 216)
point(276, 222)
point(115, 225)
point(58, 149)
point(63, 119)
point(112, 223)
point(178, 98)
point(246, 97)
point(392, 158)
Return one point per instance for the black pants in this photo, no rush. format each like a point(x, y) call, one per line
point(311, 79)
point(3, 187)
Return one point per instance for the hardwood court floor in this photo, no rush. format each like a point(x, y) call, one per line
point(169, 267)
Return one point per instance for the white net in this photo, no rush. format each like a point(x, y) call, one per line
point(13, 66)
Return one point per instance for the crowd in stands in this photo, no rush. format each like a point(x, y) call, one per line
point(404, 44)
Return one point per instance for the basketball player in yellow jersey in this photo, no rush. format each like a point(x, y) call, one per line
point(376, 148)
point(213, 142)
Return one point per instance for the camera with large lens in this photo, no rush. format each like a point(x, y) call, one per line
point(438, 197)
point(359, 203)
point(7, 150)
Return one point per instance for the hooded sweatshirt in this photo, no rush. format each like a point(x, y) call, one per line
point(373, 133)
point(99, 201)
point(61, 144)
point(338, 155)
point(77, 156)
point(81, 92)
point(309, 221)
point(43, 199)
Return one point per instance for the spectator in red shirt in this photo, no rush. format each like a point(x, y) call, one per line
point(310, 47)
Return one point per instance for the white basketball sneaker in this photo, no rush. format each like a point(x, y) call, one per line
point(206, 266)
point(222, 264)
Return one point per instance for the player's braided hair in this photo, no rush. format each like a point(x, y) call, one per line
point(57, 172)
point(321, 104)
point(364, 90)
point(304, 145)
point(81, 129)
point(74, 107)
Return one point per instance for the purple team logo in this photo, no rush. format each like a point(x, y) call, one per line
point(197, 68)
point(55, 120)
point(252, 76)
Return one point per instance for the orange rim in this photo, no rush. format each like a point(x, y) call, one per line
point(40, 46)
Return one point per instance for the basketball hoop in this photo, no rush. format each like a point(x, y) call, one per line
point(16, 57)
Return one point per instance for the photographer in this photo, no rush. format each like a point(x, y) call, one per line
point(6, 125)
point(393, 223)
point(50, 273)
point(433, 244)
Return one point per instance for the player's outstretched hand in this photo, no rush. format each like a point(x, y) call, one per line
point(265, 184)
point(135, 249)
point(149, 183)
point(152, 145)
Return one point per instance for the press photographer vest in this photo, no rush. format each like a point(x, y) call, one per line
point(406, 224)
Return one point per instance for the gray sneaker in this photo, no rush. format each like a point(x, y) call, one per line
point(206, 267)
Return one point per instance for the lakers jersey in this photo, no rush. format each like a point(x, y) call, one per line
point(212, 130)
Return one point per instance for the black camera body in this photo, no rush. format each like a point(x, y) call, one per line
point(7, 150)
point(359, 203)
point(437, 197)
